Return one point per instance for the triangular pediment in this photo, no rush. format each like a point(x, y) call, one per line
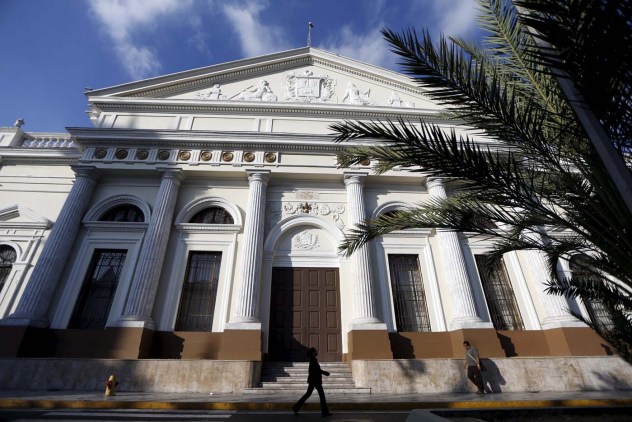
point(17, 215)
point(304, 76)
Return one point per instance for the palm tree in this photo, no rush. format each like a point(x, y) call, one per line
point(540, 181)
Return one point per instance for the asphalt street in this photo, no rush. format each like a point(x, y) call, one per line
point(79, 415)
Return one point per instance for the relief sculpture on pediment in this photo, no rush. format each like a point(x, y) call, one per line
point(357, 97)
point(308, 87)
point(215, 93)
point(396, 101)
point(262, 92)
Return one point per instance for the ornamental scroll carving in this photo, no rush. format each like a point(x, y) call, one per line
point(278, 211)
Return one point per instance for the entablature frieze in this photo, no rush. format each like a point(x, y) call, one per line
point(191, 156)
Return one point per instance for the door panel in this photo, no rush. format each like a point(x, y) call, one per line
point(305, 306)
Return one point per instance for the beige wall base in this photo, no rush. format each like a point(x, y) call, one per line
point(369, 344)
point(241, 345)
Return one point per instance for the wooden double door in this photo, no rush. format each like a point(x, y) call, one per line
point(304, 313)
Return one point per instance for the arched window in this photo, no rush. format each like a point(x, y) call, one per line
point(212, 215)
point(124, 213)
point(8, 255)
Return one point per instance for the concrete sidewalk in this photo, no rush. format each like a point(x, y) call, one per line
point(337, 402)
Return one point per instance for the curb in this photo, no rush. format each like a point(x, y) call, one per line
point(166, 405)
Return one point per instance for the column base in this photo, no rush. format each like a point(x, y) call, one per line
point(369, 344)
point(367, 324)
point(241, 345)
point(566, 321)
point(135, 321)
point(18, 321)
point(469, 323)
point(235, 325)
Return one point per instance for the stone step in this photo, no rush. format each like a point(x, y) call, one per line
point(284, 384)
point(298, 392)
point(291, 378)
point(303, 380)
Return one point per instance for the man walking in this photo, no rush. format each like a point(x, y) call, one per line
point(314, 380)
point(473, 367)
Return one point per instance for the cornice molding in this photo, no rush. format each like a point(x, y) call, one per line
point(249, 67)
point(205, 228)
point(113, 226)
point(280, 108)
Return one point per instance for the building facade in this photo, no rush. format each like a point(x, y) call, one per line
point(200, 218)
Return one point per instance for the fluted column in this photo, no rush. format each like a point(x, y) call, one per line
point(555, 307)
point(463, 306)
point(140, 301)
point(247, 310)
point(364, 310)
point(40, 288)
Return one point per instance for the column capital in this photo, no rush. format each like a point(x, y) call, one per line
point(433, 182)
point(258, 175)
point(171, 173)
point(354, 178)
point(88, 172)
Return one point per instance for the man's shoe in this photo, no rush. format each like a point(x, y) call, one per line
point(295, 410)
point(326, 414)
point(480, 393)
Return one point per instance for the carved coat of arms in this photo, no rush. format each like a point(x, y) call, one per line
point(308, 87)
point(305, 240)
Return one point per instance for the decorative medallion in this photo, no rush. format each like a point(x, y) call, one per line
point(227, 156)
point(305, 240)
point(142, 154)
point(163, 155)
point(366, 162)
point(121, 154)
point(100, 153)
point(308, 88)
point(305, 208)
point(270, 157)
point(249, 157)
point(185, 155)
point(206, 155)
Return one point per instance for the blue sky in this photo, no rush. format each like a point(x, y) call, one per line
point(53, 49)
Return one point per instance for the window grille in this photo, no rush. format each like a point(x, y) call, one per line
point(499, 294)
point(411, 311)
point(197, 303)
point(8, 255)
point(97, 292)
point(212, 215)
point(597, 312)
point(124, 213)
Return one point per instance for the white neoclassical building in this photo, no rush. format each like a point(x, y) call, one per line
point(200, 219)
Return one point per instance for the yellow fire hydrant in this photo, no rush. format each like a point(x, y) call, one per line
point(110, 386)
